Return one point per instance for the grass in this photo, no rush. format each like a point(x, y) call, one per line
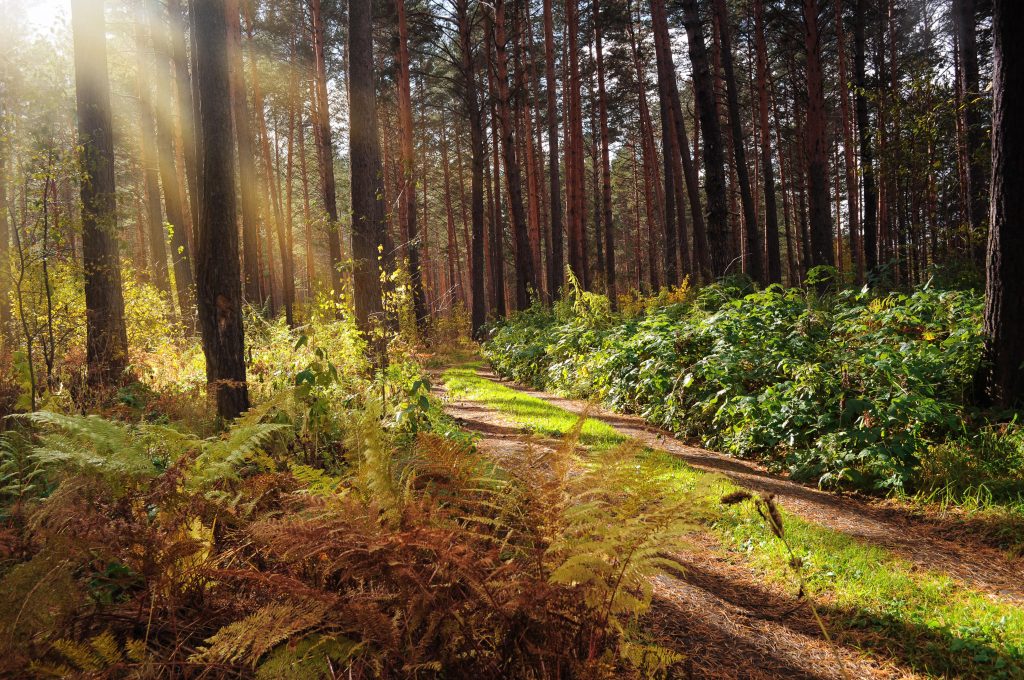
point(870, 597)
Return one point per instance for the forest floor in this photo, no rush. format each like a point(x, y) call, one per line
point(903, 593)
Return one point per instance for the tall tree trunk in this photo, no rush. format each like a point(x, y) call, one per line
point(771, 210)
point(497, 235)
point(721, 253)
point(556, 258)
point(817, 151)
point(174, 201)
point(367, 211)
point(574, 144)
point(867, 172)
point(852, 193)
point(964, 25)
point(753, 246)
point(252, 285)
point(525, 274)
point(5, 243)
point(106, 337)
point(148, 158)
point(325, 145)
point(218, 287)
point(185, 110)
point(478, 313)
point(606, 167)
point(408, 176)
point(307, 221)
point(680, 148)
point(272, 190)
point(454, 270)
point(1001, 381)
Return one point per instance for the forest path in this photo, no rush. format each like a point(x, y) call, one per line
point(724, 613)
point(726, 619)
point(928, 543)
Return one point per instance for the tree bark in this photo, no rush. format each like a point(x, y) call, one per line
point(367, 211)
point(867, 172)
point(255, 293)
point(817, 151)
point(186, 112)
point(325, 146)
point(771, 211)
point(148, 158)
point(218, 285)
point(1002, 374)
point(964, 25)
point(106, 336)
point(714, 159)
point(525, 274)
point(174, 201)
point(852, 193)
point(606, 168)
point(753, 246)
point(556, 258)
point(408, 168)
point(497, 235)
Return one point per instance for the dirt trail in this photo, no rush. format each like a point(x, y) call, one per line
point(924, 542)
point(728, 622)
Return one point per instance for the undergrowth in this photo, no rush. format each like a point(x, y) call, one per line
point(851, 389)
point(867, 596)
point(343, 527)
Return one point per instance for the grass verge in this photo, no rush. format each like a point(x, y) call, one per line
point(870, 597)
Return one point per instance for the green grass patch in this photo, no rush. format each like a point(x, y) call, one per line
point(869, 596)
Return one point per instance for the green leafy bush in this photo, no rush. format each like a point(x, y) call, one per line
point(849, 388)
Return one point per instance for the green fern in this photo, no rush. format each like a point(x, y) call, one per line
point(97, 655)
point(21, 476)
point(122, 452)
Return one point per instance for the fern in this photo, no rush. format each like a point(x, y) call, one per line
point(221, 458)
point(101, 654)
point(21, 476)
point(310, 658)
point(247, 640)
point(121, 452)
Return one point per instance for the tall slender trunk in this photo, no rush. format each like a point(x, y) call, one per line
point(525, 274)
point(771, 211)
point(5, 241)
point(970, 112)
point(721, 254)
point(753, 247)
point(556, 258)
point(325, 145)
point(367, 211)
point(497, 235)
point(407, 185)
point(454, 270)
point(186, 113)
point(852, 192)
point(174, 200)
point(867, 172)
point(253, 289)
point(817, 152)
point(652, 205)
point(478, 314)
point(606, 167)
point(153, 215)
point(574, 144)
point(106, 337)
point(679, 144)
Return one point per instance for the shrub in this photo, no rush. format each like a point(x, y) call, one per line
point(850, 388)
